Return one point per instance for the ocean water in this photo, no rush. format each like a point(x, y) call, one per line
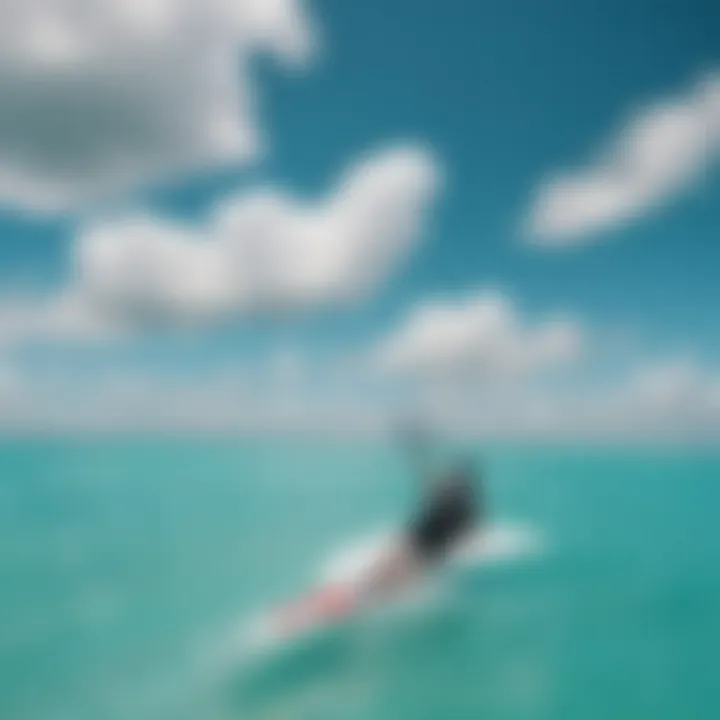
point(126, 567)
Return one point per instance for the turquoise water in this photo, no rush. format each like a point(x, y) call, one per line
point(123, 564)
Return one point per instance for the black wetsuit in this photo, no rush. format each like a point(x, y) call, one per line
point(451, 509)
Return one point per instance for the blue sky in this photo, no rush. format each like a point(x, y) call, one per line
point(507, 93)
point(504, 97)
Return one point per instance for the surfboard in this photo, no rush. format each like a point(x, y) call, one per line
point(334, 597)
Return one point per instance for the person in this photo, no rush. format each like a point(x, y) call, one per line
point(452, 506)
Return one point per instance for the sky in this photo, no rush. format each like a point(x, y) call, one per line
point(287, 214)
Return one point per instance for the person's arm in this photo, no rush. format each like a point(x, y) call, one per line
point(417, 443)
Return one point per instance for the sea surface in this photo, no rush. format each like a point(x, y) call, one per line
point(127, 565)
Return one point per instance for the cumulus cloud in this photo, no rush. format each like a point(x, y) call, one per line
point(287, 391)
point(477, 337)
point(8, 381)
point(63, 317)
point(676, 397)
point(264, 250)
point(282, 393)
point(660, 400)
point(98, 94)
point(474, 366)
point(658, 153)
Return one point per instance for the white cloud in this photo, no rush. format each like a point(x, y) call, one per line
point(280, 394)
point(287, 391)
point(98, 94)
point(474, 366)
point(670, 397)
point(259, 251)
point(658, 153)
point(480, 337)
point(660, 400)
point(8, 382)
point(652, 404)
point(64, 317)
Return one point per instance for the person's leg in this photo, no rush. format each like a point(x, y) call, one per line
point(395, 570)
